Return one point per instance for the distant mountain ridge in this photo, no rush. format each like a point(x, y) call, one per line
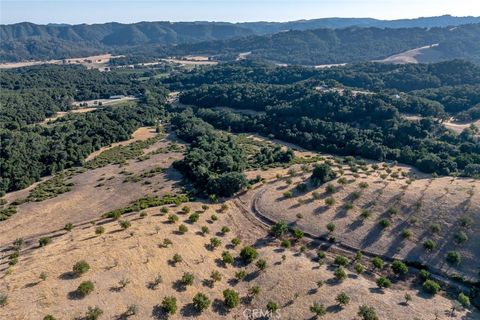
point(261, 27)
point(29, 41)
point(348, 45)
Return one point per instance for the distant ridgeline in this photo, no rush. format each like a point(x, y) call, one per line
point(317, 41)
point(316, 109)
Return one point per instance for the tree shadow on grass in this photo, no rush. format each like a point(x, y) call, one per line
point(159, 313)
point(189, 310)
point(218, 306)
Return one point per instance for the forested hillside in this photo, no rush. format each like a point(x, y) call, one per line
point(25, 41)
point(29, 95)
point(445, 88)
point(341, 121)
point(335, 23)
point(308, 42)
point(324, 46)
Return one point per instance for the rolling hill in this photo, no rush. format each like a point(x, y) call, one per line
point(29, 41)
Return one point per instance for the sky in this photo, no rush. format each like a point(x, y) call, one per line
point(127, 11)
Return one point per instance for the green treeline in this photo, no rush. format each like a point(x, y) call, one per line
point(342, 122)
point(443, 89)
point(214, 162)
point(29, 151)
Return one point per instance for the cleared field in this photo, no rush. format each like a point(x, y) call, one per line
point(91, 62)
point(411, 56)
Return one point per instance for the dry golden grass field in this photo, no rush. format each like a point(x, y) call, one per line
point(132, 264)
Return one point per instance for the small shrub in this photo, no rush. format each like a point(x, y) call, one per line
point(124, 224)
point(318, 309)
point(240, 275)
point(227, 257)
point(407, 233)
point(231, 298)
point(248, 254)
point(272, 306)
point(341, 261)
point(329, 201)
point(377, 263)
point(383, 282)
point(80, 267)
point(385, 223)
point(43, 276)
point(164, 210)
point(3, 300)
point(363, 185)
point(201, 302)
point(431, 287)
point(340, 274)
point(49, 317)
point(93, 313)
point(169, 305)
point(298, 234)
point(286, 244)
point(225, 230)
point(236, 242)
point(85, 288)
point(216, 276)
point(424, 274)
point(99, 230)
point(193, 217)
point(254, 291)
point(131, 310)
point(435, 228)
point(42, 242)
point(365, 214)
point(288, 194)
point(359, 268)
point(407, 297)
point(461, 237)
point(430, 245)
point(172, 218)
point(331, 227)
point(177, 258)
point(68, 227)
point(205, 230)
point(399, 267)
point(214, 217)
point(466, 222)
point(342, 298)
point(261, 264)
point(367, 313)
point(182, 229)
point(392, 211)
point(330, 188)
point(453, 257)
point(464, 300)
point(215, 242)
point(186, 209)
point(187, 279)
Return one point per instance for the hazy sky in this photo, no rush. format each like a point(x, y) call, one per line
point(95, 11)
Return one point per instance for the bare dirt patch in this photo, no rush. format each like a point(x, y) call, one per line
point(91, 62)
